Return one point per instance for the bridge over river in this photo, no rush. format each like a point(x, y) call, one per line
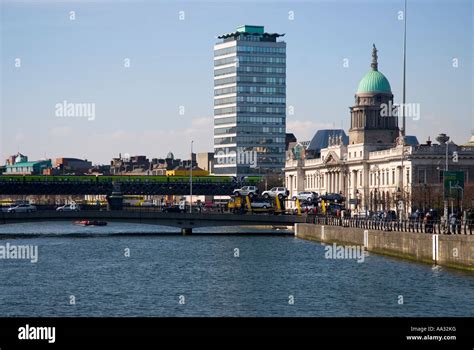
point(185, 221)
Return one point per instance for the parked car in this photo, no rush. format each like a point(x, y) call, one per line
point(173, 209)
point(281, 192)
point(333, 197)
point(68, 207)
point(22, 208)
point(306, 196)
point(4, 209)
point(307, 209)
point(246, 191)
point(263, 204)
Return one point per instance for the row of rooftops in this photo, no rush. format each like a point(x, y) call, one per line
point(337, 137)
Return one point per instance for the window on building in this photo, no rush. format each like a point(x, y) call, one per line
point(421, 176)
point(441, 176)
point(360, 178)
point(383, 178)
point(370, 179)
point(361, 153)
point(408, 176)
point(393, 176)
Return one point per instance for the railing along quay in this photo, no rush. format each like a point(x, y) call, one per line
point(434, 227)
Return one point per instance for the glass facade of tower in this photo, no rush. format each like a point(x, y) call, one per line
point(249, 102)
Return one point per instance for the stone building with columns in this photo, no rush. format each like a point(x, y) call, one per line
point(376, 168)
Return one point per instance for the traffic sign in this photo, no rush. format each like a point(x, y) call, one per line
point(453, 184)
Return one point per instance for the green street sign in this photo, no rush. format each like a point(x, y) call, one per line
point(453, 184)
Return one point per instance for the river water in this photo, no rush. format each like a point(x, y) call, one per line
point(139, 270)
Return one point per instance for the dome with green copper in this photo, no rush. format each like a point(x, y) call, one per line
point(374, 81)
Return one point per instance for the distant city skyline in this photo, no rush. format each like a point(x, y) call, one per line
point(147, 69)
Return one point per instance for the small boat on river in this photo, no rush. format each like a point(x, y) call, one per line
point(91, 223)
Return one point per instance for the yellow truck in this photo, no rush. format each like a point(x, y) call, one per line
point(235, 204)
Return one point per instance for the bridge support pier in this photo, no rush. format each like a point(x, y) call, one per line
point(115, 201)
point(186, 231)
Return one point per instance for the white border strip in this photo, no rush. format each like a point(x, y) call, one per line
point(435, 247)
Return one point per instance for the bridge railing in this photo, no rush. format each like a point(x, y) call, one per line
point(434, 227)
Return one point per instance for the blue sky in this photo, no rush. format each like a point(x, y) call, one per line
point(171, 65)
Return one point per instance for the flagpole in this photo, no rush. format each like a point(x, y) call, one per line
point(404, 71)
point(403, 130)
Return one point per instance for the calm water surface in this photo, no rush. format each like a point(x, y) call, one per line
point(90, 264)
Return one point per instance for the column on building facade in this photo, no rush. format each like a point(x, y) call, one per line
point(345, 185)
point(329, 186)
point(300, 176)
point(328, 182)
point(354, 183)
point(333, 182)
point(320, 181)
point(338, 182)
point(341, 182)
point(399, 177)
point(366, 191)
point(289, 184)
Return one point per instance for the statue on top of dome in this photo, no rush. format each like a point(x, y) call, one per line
point(374, 63)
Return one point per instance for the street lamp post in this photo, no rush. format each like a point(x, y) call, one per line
point(376, 169)
point(444, 139)
point(191, 181)
point(357, 198)
point(425, 190)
